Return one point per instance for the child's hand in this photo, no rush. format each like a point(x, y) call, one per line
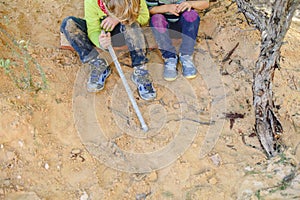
point(172, 8)
point(183, 6)
point(109, 23)
point(104, 40)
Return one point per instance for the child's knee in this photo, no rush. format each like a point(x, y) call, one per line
point(135, 25)
point(191, 16)
point(66, 22)
point(159, 22)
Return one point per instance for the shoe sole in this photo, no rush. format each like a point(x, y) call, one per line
point(148, 99)
point(191, 76)
point(98, 90)
point(170, 79)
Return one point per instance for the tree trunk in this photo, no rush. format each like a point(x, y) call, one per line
point(273, 30)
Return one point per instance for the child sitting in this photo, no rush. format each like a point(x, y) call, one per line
point(111, 21)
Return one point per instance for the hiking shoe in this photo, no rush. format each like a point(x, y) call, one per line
point(99, 73)
point(170, 70)
point(142, 79)
point(188, 68)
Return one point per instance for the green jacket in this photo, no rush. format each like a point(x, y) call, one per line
point(93, 14)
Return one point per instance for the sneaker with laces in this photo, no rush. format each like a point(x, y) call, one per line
point(188, 68)
point(170, 69)
point(142, 79)
point(99, 73)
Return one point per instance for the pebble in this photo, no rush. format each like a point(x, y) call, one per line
point(46, 166)
point(216, 159)
point(249, 168)
point(141, 196)
point(21, 143)
point(152, 177)
point(84, 196)
point(213, 181)
point(76, 151)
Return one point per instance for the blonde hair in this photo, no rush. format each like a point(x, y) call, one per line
point(126, 11)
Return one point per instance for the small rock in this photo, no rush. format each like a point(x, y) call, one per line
point(40, 163)
point(75, 151)
point(141, 196)
point(249, 168)
point(84, 196)
point(19, 187)
point(216, 159)
point(46, 166)
point(21, 143)
point(213, 181)
point(152, 177)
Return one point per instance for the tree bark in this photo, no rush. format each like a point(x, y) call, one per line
point(273, 30)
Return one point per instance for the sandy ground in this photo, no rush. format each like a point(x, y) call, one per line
point(59, 142)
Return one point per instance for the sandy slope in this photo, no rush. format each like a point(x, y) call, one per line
point(47, 146)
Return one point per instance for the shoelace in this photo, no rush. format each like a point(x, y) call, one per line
point(95, 75)
point(142, 76)
point(99, 62)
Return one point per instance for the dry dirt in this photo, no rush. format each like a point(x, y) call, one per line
point(50, 147)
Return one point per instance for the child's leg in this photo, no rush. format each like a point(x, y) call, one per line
point(75, 31)
point(135, 40)
point(159, 26)
point(117, 38)
point(190, 22)
point(136, 43)
point(162, 33)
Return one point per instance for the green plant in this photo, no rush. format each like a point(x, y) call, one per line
point(168, 194)
point(23, 71)
point(6, 20)
point(257, 194)
point(283, 159)
point(5, 64)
